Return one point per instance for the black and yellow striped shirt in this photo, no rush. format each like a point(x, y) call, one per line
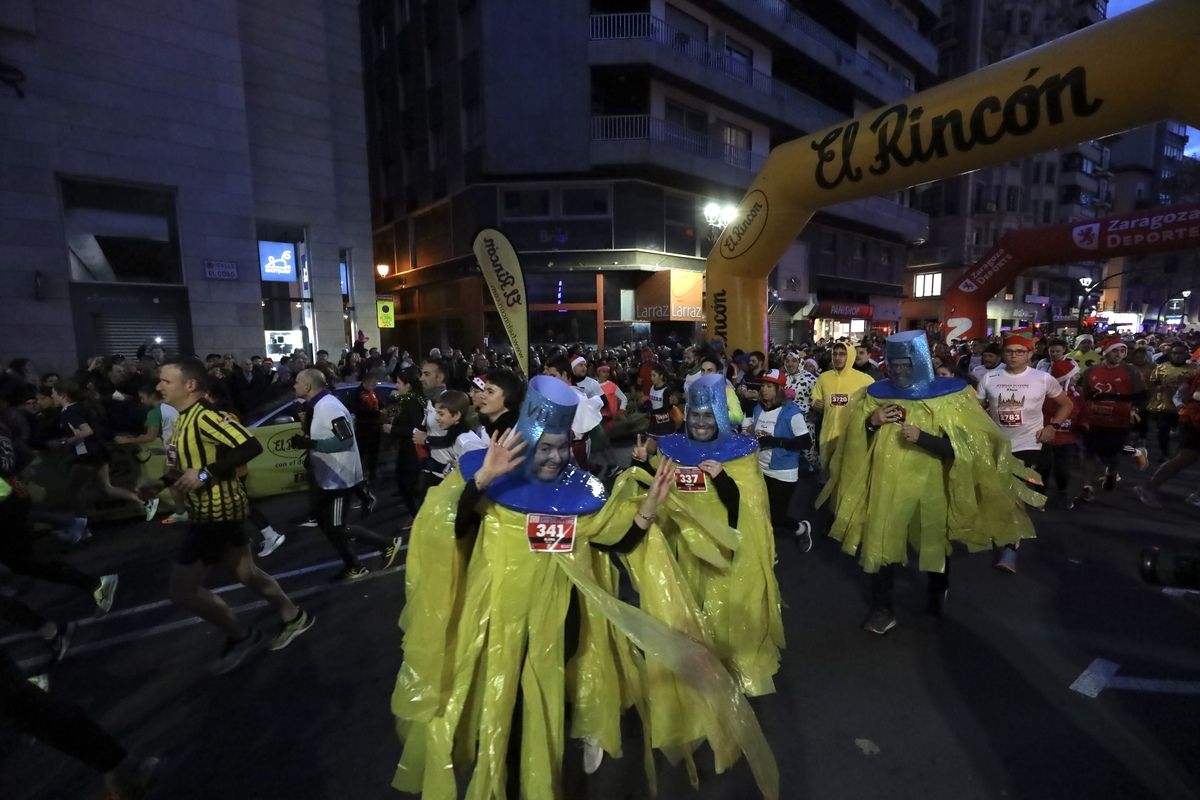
point(201, 434)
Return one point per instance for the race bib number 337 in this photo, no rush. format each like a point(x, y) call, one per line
point(690, 479)
point(549, 533)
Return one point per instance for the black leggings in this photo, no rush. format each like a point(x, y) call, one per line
point(1166, 422)
point(883, 584)
point(55, 721)
point(16, 550)
point(779, 496)
point(331, 516)
point(1058, 460)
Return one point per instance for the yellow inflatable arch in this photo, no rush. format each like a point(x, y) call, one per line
point(1112, 76)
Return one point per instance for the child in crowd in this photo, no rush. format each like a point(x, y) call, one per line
point(451, 410)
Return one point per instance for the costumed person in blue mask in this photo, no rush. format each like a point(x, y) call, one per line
point(504, 554)
point(921, 465)
point(730, 570)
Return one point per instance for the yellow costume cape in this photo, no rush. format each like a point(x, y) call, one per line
point(479, 625)
point(731, 573)
point(889, 494)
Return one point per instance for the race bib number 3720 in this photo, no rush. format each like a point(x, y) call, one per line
point(549, 533)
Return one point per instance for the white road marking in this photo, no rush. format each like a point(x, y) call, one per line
point(1101, 674)
point(157, 604)
point(167, 627)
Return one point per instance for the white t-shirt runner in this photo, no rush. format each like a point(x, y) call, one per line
point(656, 398)
point(766, 427)
point(1015, 403)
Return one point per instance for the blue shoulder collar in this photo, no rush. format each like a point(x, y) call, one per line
point(575, 491)
point(940, 387)
point(687, 451)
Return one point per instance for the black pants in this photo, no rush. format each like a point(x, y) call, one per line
point(779, 496)
point(883, 584)
point(1058, 460)
point(1166, 422)
point(55, 721)
point(332, 505)
point(368, 437)
point(804, 496)
point(16, 550)
point(407, 475)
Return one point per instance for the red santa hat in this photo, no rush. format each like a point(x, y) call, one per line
point(1062, 367)
point(1110, 342)
point(1019, 339)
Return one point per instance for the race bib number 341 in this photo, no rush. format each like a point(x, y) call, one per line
point(549, 533)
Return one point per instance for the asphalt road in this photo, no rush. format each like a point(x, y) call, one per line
point(978, 705)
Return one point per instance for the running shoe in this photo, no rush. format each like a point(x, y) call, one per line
point(310, 522)
point(1194, 499)
point(1148, 496)
point(236, 652)
point(350, 574)
point(1110, 481)
point(1087, 495)
point(291, 630)
point(41, 680)
point(804, 536)
point(1007, 561)
point(151, 508)
point(391, 551)
point(105, 593)
point(879, 621)
point(1065, 502)
point(272, 541)
point(176, 518)
point(1141, 458)
point(61, 642)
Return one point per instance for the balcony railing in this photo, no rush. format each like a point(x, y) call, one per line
point(607, 27)
point(631, 127)
point(845, 53)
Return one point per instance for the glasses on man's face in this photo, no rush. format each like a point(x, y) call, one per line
point(1020, 351)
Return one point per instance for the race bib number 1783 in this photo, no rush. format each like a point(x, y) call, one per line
point(549, 533)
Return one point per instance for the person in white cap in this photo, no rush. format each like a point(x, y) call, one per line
point(1085, 353)
point(584, 382)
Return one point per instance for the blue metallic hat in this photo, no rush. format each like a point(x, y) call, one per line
point(549, 407)
point(708, 392)
point(914, 345)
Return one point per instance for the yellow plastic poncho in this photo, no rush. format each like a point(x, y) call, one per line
point(890, 495)
point(835, 388)
point(731, 573)
point(481, 624)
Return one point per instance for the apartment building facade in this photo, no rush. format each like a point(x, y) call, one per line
point(596, 134)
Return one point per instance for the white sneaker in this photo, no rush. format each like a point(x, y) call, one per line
point(804, 536)
point(151, 508)
point(272, 541)
point(593, 755)
point(311, 522)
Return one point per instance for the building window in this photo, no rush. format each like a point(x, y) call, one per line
point(927, 284)
point(121, 234)
point(1012, 200)
point(735, 141)
point(685, 27)
point(687, 128)
point(860, 248)
point(739, 60)
point(1047, 212)
point(1050, 173)
point(585, 201)
point(520, 203)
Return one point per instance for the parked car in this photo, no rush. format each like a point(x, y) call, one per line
point(279, 469)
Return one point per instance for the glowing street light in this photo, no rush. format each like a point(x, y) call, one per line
point(382, 270)
point(1086, 282)
point(719, 216)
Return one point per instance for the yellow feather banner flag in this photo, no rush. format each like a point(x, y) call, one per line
point(502, 270)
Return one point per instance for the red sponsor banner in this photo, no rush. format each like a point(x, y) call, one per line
point(1158, 230)
point(837, 310)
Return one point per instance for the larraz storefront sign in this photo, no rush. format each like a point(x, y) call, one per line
point(672, 295)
